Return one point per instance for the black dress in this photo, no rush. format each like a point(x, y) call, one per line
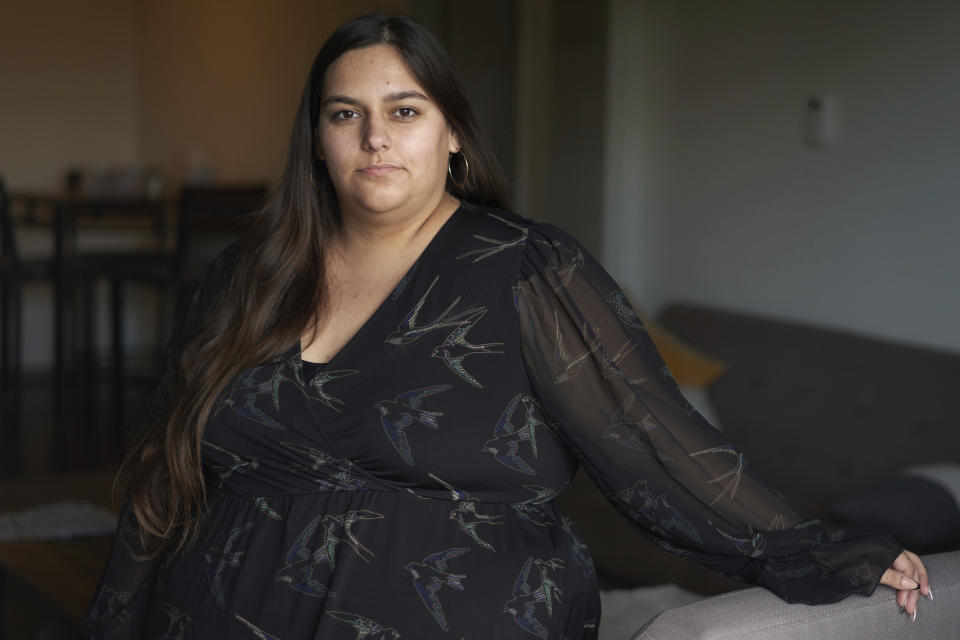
point(406, 489)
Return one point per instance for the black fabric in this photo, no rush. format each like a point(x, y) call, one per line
point(923, 515)
point(408, 488)
point(312, 369)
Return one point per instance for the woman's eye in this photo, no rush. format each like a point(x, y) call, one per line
point(345, 114)
point(406, 112)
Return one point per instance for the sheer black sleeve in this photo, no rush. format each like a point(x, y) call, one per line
point(676, 478)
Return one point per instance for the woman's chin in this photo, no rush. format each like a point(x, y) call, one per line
point(386, 200)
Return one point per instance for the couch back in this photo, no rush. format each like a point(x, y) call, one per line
point(821, 412)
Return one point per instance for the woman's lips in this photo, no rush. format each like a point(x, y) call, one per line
point(379, 169)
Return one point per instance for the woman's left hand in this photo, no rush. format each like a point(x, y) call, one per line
point(909, 577)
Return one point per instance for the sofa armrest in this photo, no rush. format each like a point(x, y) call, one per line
point(757, 613)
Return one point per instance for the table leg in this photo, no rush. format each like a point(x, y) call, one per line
point(117, 322)
point(3, 603)
point(91, 393)
point(59, 293)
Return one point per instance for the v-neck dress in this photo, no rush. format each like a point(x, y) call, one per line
point(406, 488)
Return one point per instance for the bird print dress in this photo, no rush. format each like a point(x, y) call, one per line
point(406, 488)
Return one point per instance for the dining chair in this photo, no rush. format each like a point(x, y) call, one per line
point(154, 268)
point(14, 273)
point(74, 271)
point(210, 218)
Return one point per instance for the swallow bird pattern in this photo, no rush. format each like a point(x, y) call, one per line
point(265, 507)
point(621, 306)
point(455, 348)
point(219, 557)
point(751, 545)
point(507, 436)
point(178, 621)
point(337, 472)
point(317, 545)
point(302, 568)
point(566, 366)
point(578, 550)
point(524, 604)
point(410, 330)
point(497, 245)
point(732, 477)
point(565, 261)
point(405, 409)
point(249, 391)
point(259, 633)
point(431, 575)
point(629, 431)
point(466, 515)
point(366, 628)
point(316, 386)
point(110, 603)
point(339, 528)
point(654, 508)
point(238, 463)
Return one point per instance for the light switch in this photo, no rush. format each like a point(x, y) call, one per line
point(819, 121)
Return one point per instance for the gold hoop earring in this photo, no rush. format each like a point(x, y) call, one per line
point(466, 170)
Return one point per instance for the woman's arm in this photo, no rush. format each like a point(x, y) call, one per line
point(677, 479)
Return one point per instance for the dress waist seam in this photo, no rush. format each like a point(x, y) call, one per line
point(236, 495)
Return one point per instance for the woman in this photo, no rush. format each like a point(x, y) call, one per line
point(389, 381)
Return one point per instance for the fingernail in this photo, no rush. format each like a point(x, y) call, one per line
point(907, 583)
point(913, 618)
point(930, 593)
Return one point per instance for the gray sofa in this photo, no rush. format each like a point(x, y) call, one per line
point(754, 614)
point(820, 413)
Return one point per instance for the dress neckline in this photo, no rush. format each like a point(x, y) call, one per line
point(434, 241)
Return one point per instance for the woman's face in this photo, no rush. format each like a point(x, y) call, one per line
point(383, 139)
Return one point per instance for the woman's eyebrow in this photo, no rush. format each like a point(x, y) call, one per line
point(390, 97)
point(404, 95)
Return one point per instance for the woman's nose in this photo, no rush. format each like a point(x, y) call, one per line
point(376, 134)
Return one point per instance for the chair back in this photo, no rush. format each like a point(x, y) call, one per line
point(9, 257)
point(211, 217)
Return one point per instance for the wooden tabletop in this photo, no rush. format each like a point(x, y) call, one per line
point(65, 571)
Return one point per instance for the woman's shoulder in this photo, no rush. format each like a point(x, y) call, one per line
point(503, 225)
point(492, 236)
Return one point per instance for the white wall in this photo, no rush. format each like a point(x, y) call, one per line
point(68, 81)
point(712, 196)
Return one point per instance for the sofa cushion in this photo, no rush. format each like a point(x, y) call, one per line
point(690, 367)
point(918, 507)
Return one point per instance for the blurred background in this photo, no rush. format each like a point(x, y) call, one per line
point(790, 162)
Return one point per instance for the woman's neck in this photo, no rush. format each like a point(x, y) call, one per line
point(370, 237)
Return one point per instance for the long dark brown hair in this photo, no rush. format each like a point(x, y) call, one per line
point(276, 289)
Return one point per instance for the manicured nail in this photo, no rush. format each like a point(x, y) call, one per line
point(913, 618)
point(930, 593)
point(907, 583)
